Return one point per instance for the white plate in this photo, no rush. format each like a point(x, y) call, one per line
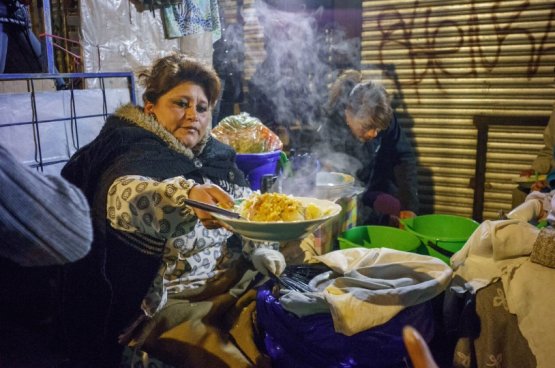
point(281, 231)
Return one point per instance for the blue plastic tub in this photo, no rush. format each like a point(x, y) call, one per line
point(256, 165)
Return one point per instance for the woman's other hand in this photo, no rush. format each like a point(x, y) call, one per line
point(210, 194)
point(268, 261)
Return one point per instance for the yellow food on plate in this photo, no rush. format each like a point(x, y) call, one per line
point(277, 207)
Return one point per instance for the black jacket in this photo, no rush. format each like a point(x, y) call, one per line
point(388, 162)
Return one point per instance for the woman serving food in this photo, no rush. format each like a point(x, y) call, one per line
point(161, 274)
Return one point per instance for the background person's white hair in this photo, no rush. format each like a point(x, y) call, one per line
point(367, 100)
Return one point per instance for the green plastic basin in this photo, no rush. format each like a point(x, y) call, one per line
point(443, 235)
point(379, 237)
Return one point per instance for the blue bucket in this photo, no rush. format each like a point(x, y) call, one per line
point(256, 165)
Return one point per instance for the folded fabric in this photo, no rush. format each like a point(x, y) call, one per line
point(529, 296)
point(493, 245)
point(529, 210)
point(368, 287)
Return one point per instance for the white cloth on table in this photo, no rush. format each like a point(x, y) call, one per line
point(373, 286)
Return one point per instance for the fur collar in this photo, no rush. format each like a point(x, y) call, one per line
point(135, 115)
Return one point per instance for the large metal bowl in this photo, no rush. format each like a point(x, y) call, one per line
point(333, 185)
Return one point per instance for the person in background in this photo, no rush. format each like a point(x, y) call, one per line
point(44, 222)
point(158, 265)
point(362, 126)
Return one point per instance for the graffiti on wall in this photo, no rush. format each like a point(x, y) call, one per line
point(419, 34)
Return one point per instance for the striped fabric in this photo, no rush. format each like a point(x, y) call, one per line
point(44, 220)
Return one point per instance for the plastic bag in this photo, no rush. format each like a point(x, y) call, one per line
point(246, 134)
point(311, 341)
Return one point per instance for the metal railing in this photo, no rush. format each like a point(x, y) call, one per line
point(74, 117)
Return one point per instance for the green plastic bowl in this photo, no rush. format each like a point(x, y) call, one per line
point(379, 237)
point(443, 235)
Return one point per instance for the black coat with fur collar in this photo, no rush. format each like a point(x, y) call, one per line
point(104, 290)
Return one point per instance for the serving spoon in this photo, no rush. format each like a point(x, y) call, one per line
point(211, 208)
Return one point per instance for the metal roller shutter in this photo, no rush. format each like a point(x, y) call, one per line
point(448, 61)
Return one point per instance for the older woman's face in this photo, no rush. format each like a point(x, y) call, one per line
point(183, 111)
point(359, 129)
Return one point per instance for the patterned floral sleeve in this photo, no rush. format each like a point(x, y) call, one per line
point(144, 205)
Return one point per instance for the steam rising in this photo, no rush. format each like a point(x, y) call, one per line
point(290, 86)
point(304, 54)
